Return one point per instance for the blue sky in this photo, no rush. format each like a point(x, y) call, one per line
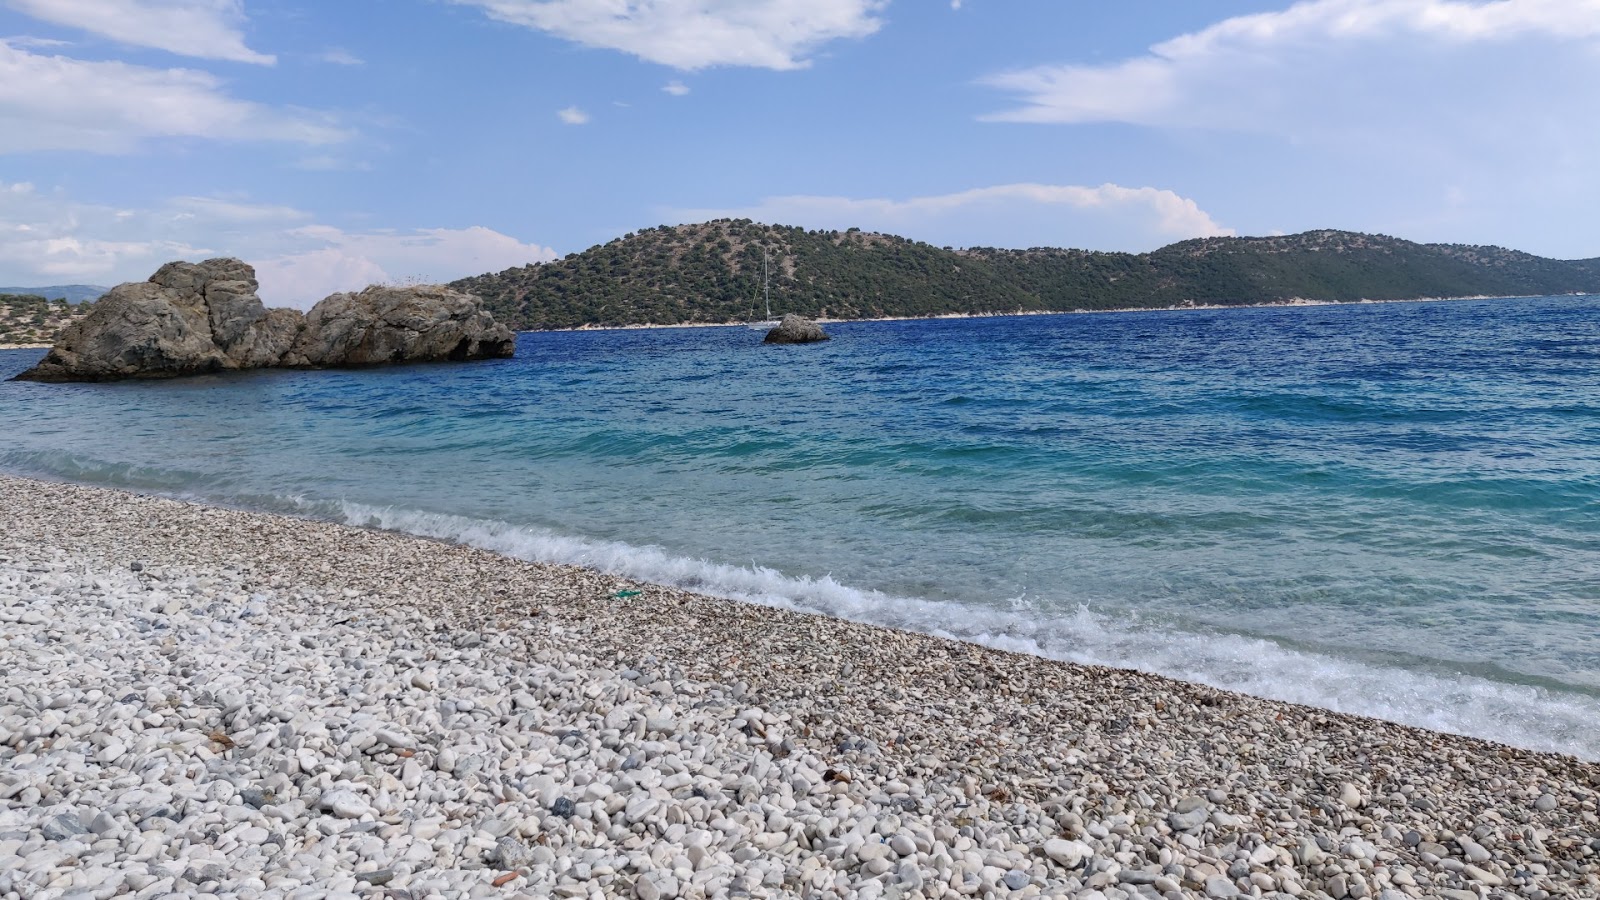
point(341, 142)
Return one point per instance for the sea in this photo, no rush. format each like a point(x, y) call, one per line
point(1384, 509)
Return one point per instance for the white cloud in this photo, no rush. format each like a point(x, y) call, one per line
point(1365, 114)
point(43, 239)
point(1109, 216)
point(695, 34)
point(676, 88)
point(1281, 71)
point(35, 43)
point(341, 57)
point(221, 211)
point(348, 261)
point(208, 29)
point(59, 103)
point(573, 116)
point(46, 237)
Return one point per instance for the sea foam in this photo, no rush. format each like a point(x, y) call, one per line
point(1527, 716)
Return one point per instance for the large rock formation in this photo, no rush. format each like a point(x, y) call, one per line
point(793, 329)
point(195, 318)
point(384, 324)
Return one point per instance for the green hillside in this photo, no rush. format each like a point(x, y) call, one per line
point(711, 272)
point(31, 319)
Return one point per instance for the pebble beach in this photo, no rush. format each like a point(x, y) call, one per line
point(198, 701)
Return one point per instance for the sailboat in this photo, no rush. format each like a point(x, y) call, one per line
point(766, 291)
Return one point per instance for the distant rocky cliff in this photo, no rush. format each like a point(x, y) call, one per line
point(191, 319)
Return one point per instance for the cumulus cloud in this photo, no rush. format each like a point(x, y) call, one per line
point(573, 116)
point(338, 260)
point(1282, 70)
point(1447, 120)
point(696, 34)
point(676, 88)
point(60, 103)
point(46, 237)
point(1109, 216)
point(207, 29)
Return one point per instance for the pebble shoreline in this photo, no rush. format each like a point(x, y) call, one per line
point(208, 702)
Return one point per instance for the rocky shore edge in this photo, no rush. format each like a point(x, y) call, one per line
point(200, 318)
point(211, 702)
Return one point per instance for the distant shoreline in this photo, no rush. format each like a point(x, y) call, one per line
point(25, 346)
point(1189, 307)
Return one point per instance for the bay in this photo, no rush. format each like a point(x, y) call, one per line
point(1388, 509)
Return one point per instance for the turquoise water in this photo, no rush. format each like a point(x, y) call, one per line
point(1384, 509)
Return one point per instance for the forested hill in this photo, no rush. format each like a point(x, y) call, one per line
point(711, 272)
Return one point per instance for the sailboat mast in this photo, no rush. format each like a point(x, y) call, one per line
point(766, 283)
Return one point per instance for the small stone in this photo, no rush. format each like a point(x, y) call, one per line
point(1483, 876)
point(1350, 796)
point(1220, 888)
point(1016, 880)
point(344, 804)
point(379, 877)
point(1190, 813)
point(1472, 850)
point(1068, 854)
point(1438, 850)
point(255, 797)
point(63, 827)
point(112, 752)
point(1309, 853)
point(1545, 803)
point(902, 845)
point(396, 739)
point(510, 853)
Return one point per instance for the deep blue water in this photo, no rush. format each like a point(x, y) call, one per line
point(1387, 509)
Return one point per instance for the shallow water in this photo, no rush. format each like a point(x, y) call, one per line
point(1385, 509)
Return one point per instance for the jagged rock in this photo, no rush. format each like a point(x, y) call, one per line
point(795, 329)
point(414, 324)
point(193, 318)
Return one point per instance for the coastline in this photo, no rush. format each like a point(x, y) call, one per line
point(1296, 801)
point(1295, 303)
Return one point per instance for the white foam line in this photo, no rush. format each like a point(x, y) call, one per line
point(1526, 716)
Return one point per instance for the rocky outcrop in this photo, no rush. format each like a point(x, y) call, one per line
point(384, 325)
point(795, 329)
point(193, 318)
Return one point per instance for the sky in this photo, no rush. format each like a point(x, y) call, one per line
point(337, 143)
